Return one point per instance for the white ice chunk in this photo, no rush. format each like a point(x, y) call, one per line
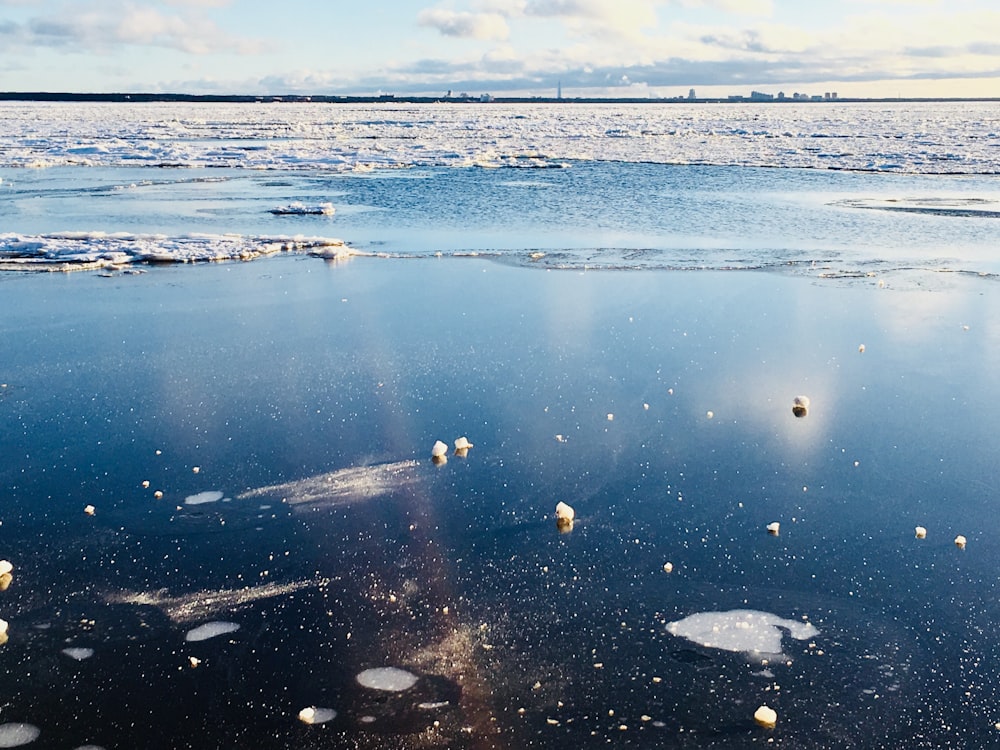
point(316, 715)
point(742, 630)
point(6, 567)
point(210, 496)
point(15, 734)
point(210, 630)
point(297, 208)
point(390, 679)
point(78, 653)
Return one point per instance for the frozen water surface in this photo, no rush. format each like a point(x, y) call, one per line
point(652, 263)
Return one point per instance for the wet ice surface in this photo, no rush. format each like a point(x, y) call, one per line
point(368, 555)
point(311, 393)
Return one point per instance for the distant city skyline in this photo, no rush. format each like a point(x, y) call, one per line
point(547, 48)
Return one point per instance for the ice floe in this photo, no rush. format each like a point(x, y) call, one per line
point(69, 251)
point(301, 209)
point(389, 679)
point(741, 630)
point(211, 630)
point(15, 734)
point(360, 137)
point(201, 498)
point(78, 653)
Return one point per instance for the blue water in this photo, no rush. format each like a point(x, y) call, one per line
point(817, 223)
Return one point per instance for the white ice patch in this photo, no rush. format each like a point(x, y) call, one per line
point(89, 250)
point(344, 486)
point(15, 734)
point(210, 496)
point(742, 630)
point(301, 209)
point(357, 138)
point(211, 630)
point(390, 679)
point(78, 653)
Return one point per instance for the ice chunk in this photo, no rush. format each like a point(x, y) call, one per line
point(298, 208)
point(6, 567)
point(210, 496)
point(920, 532)
point(439, 449)
point(78, 653)
point(210, 630)
point(960, 541)
point(15, 734)
point(316, 715)
point(565, 512)
point(742, 630)
point(462, 444)
point(800, 406)
point(774, 528)
point(766, 717)
point(390, 679)
point(3, 627)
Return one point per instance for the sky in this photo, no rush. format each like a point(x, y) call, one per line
point(625, 48)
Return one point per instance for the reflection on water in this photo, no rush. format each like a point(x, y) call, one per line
point(281, 382)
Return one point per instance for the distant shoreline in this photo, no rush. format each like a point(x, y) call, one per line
point(139, 97)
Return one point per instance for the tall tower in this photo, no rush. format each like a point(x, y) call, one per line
point(559, 90)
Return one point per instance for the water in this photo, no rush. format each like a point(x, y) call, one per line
point(323, 542)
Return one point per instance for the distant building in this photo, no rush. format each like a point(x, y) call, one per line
point(559, 90)
point(781, 96)
point(691, 94)
point(760, 96)
point(486, 98)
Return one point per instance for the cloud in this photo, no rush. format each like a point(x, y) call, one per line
point(110, 26)
point(465, 25)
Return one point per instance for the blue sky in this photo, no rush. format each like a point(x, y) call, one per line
point(641, 48)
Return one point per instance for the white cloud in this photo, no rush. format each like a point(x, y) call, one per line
point(110, 26)
point(741, 7)
point(465, 25)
